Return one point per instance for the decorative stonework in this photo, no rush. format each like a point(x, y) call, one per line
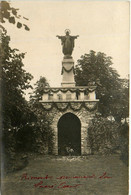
point(85, 118)
point(68, 73)
point(80, 101)
point(86, 89)
point(75, 106)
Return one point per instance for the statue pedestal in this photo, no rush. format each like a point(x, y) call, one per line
point(68, 73)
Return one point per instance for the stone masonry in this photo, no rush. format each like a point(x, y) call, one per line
point(85, 119)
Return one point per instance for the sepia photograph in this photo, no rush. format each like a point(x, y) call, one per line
point(64, 97)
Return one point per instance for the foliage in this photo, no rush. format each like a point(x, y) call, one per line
point(11, 14)
point(39, 89)
point(24, 124)
point(124, 146)
point(108, 137)
point(120, 101)
point(96, 69)
point(104, 136)
point(16, 113)
point(14, 80)
point(42, 124)
point(12, 158)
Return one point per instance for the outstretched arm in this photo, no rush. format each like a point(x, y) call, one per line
point(59, 37)
point(62, 38)
point(75, 37)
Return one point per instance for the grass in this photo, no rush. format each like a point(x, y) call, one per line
point(40, 166)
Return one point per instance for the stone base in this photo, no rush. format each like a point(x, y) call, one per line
point(67, 57)
point(68, 73)
point(85, 116)
point(67, 84)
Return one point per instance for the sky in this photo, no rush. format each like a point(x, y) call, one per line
point(102, 26)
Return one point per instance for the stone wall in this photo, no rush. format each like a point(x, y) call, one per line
point(85, 116)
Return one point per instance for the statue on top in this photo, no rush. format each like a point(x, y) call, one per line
point(67, 42)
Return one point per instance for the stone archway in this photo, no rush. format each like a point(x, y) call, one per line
point(69, 134)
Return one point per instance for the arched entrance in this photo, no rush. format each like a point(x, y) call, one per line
point(69, 135)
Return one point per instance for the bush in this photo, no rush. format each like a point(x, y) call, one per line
point(124, 146)
point(24, 139)
point(104, 136)
point(13, 159)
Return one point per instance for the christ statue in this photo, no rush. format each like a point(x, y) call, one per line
point(67, 42)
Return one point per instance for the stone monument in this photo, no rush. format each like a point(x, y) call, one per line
point(71, 108)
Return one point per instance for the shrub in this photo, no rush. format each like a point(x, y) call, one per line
point(124, 146)
point(103, 136)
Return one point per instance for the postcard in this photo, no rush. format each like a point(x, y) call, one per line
point(64, 97)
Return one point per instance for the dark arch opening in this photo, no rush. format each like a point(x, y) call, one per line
point(69, 135)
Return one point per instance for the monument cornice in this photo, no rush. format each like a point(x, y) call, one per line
point(71, 89)
point(74, 105)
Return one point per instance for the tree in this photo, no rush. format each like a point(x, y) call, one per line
point(120, 102)
point(39, 89)
point(11, 14)
point(96, 68)
point(14, 80)
point(42, 123)
point(16, 113)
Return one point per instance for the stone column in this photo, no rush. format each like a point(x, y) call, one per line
point(73, 95)
point(64, 96)
point(85, 148)
point(81, 96)
point(54, 121)
point(55, 141)
point(45, 97)
point(68, 73)
point(55, 97)
point(92, 95)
